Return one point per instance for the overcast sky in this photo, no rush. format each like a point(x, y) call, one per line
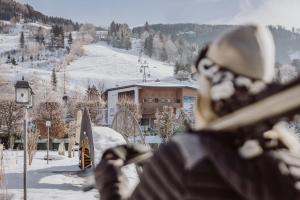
point(136, 12)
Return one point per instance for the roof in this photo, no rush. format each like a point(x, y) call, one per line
point(157, 84)
point(22, 84)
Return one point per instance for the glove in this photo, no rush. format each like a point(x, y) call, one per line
point(129, 153)
point(110, 181)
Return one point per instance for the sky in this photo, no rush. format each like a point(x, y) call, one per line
point(136, 12)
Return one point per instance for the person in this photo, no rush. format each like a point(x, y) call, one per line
point(229, 153)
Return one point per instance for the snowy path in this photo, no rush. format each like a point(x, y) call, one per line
point(54, 181)
point(58, 179)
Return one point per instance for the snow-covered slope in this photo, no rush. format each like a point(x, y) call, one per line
point(101, 63)
point(8, 42)
point(112, 66)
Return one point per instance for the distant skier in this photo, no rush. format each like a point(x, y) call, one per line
point(236, 150)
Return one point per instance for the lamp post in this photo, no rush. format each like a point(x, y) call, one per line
point(24, 96)
point(48, 125)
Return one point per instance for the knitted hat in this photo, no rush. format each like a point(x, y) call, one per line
point(239, 61)
point(247, 50)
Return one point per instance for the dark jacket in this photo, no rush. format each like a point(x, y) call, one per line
point(209, 167)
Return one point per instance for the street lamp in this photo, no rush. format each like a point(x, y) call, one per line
point(24, 93)
point(24, 96)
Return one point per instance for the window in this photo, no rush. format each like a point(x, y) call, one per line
point(156, 100)
point(178, 101)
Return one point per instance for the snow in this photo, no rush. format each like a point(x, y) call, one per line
point(113, 66)
point(59, 179)
point(56, 180)
point(101, 63)
point(8, 42)
point(105, 138)
point(295, 55)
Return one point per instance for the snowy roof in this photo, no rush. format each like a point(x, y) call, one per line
point(158, 84)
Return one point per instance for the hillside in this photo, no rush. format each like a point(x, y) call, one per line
point(99, 64)
point(10, 9)
point(287, 42)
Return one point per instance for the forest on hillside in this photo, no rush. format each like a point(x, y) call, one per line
point(11, 10)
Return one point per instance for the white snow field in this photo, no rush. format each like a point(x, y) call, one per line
point(58, 179)
point(113, 66)
point(8, 42)
point(100, 63)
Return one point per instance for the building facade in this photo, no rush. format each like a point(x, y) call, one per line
point(150, 97)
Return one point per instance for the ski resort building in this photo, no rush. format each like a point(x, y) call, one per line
point(151, 96)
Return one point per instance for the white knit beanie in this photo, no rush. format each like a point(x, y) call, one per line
point(247, 50)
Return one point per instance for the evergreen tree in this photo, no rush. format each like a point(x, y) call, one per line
point(164, 55)
point(148, 46)
point(57, 37)
point(22, 41)
point(8, 59)
point(61, 37)
point(146, 27)
point(54, 79)
point(13, 61)
point(70, 39)
point(39, 37)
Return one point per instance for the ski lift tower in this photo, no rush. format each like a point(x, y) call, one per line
point(143, 69)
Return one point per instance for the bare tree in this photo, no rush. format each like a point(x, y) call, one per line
point(71, 131)
point(165, 122)
point(50, 111)
point(10, 116)
point(101, 87)
point(94, 103)
point(127, 119)
point(128, 103)
point(32, 139)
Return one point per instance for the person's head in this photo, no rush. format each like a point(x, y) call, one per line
point(235, 66)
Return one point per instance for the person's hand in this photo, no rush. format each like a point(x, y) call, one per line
point(129, 153)
point(110, 181)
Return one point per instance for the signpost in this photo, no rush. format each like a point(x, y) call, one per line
point(48, 125)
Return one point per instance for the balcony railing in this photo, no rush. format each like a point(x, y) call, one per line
point(150, 108)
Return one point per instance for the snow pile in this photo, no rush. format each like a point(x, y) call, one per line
point(105, 138)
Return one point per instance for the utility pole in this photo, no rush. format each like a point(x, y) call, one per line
point(48, 125)
point(65, 97)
